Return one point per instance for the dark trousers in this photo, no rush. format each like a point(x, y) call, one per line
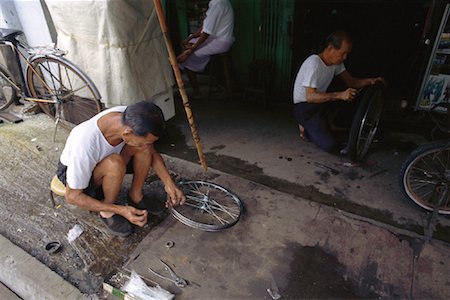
point(314, 118)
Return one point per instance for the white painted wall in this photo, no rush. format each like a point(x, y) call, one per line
point(8, 15)
point(28, 16)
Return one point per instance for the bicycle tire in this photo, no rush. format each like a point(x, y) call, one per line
point(77, 98)
point(365, 122)
point(424, 172)
point(208, 206)
point(5, 103)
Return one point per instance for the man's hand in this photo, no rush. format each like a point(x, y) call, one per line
point(349, 94)
point(184, 55)
point(187, 44)
point(135, 216)
point(375, 80)
point(174, 195)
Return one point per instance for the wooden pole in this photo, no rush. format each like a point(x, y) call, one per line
point(184, 97)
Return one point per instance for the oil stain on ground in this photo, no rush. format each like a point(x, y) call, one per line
point(316, 274)
point(174, 144)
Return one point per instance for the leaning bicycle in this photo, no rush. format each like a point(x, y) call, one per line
point(425, 174)
point(59, 87)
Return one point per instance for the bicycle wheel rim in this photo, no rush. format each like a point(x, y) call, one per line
point(5, 77)
point(425, 179)
point(72, 92)
point(208, 206)
point(369, 125)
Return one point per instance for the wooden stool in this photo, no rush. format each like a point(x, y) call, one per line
point(220, 62)
point(56, 188)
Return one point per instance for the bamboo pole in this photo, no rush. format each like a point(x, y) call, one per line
point(184, 97)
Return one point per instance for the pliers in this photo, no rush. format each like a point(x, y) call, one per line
point(174, 278)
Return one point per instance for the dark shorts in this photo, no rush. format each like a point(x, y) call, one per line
point(91, 190)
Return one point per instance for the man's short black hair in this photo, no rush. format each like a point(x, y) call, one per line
point(336, 38)
point(144, 118)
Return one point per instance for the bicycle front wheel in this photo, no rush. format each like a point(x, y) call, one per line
point(208, 206)
point(7, 88)
point(425, 176)
point(74, 97)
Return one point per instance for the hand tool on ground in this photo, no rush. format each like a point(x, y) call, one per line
point(333, 171)
point(174, 278)
point(273, 290)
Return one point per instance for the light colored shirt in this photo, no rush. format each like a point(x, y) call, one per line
point(219, 21)
point(85, 147)
point(314, 73)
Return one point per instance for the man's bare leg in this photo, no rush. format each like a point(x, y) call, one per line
point(109, 174)
point(302, 132)
point(142, 163)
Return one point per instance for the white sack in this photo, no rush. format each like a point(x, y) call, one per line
point(118, 44)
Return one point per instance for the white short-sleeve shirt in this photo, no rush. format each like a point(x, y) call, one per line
point(85, 147)
point(314, 73)
point(219, 21)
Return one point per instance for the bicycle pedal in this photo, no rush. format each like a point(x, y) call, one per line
point(31, 109)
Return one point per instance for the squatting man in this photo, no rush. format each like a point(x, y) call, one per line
point(313, 104)
point(100, 151)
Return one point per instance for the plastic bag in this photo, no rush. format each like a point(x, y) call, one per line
point(137, 287)
point(74, 233)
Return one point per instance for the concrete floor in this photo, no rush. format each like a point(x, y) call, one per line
point(319, 235)
point(263, 145)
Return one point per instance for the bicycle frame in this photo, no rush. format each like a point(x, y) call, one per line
point(24, 92)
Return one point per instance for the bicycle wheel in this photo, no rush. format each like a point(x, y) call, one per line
point(6, 87)
point(424, 175)
point(75, 95)
point(208, 206)
point(365, 122)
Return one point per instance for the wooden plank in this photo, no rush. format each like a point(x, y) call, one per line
point(10, 117)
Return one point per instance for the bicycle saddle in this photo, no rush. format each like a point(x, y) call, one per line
point(9, 34)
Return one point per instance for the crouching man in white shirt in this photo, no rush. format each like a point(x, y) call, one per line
point(95, 160)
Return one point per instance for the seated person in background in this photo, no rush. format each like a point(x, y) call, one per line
point(215, 36)
point(98, 153)
point(312, 102)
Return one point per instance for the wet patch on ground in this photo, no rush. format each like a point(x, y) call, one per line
point(239, 167)
point(315, 273)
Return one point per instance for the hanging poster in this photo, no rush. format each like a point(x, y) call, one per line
point(436, 91)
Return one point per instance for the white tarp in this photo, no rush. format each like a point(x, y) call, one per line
point(119, 45)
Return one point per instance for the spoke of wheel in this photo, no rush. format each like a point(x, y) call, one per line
point(414, 183)
point(68, 79)
point(222, 208)
point(214, 205)
point(220, 219)
point(425, 195)
point(423, 171)
point(52, 76)
point(193, 205)
point(429, 165)
point(440, 161)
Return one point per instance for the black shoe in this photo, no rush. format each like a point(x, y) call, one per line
point(118, 225)
point(153, 206)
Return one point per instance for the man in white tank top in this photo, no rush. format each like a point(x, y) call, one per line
point(95, 158)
